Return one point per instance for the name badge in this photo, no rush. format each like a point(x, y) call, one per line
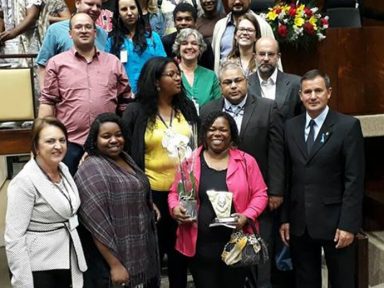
point(124, 56)
point(73, 222)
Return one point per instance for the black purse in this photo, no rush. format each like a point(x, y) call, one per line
point(243, 250)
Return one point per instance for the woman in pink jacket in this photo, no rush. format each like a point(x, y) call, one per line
point(220, 166)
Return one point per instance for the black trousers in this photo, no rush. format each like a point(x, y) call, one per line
point(306, 257)
point(52, 279)
point(166, 233)
point(215, 274)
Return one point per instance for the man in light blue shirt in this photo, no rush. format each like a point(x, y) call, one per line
point(57, 38)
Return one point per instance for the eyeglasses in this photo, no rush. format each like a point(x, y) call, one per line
point(267, 54)
point(229, 82)
point(86, 27)
point(246, 30)
point(172, 74)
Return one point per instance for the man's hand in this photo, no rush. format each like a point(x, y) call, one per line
point(7, 35)
point(284, 233)
point(343, 238)
point(274, 202)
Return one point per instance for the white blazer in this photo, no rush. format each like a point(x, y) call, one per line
point(219, 29)
point(37, 232)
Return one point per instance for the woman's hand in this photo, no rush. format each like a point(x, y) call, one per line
point(241, 220)
point(180, 215)
point(119, 275)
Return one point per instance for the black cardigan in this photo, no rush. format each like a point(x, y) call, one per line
point(135, 123)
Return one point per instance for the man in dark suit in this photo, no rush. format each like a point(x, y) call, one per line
point(185, 16)
point(260, 132)
point(323, 206)
point(270, 82)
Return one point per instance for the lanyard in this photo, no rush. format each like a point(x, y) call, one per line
point(65, 191)
point(170, 120)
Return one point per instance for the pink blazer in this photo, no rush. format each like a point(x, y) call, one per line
point(249, 197)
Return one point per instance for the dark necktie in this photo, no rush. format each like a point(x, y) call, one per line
point(311, 135)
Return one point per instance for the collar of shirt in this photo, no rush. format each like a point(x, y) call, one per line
point(270, 81)
point(230, 20)
point(77, 54)
point(319, 121)
point(228, 105)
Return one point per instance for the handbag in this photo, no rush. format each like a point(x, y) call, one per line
point(244, 250)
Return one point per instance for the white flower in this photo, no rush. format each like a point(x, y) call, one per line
point(314, 9)
point(176, 145)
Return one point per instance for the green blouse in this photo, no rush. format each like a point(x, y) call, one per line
point(205, 86)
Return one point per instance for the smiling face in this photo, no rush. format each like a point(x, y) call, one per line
point(184, 20)
point(51, 145)
point(189, 49)
point(83, 31)
point(245, 33)
point(90, 7)
point(110, 140)
point(218, 136)
point(128, 11)
point(315, 95)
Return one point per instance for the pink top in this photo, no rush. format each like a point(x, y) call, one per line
point(243, 179)
point(80, 91)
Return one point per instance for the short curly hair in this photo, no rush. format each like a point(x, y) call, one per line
point(90, 145)
point(183, 36)
point(208, 121)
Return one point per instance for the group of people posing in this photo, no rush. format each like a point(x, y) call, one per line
point(99, 205)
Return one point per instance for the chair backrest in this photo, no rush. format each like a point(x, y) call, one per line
point(259, 6)
point(344, 17)
point(339, 3)
point(16, 94)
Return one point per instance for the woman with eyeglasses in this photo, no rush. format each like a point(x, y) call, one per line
point(201, 84)
point(131, 40)
point(162, 110)
point(247, 31)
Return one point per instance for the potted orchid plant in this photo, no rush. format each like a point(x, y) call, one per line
point(180, 148)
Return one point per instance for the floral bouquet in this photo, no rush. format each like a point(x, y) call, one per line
point(180, 147)
point(296, 23)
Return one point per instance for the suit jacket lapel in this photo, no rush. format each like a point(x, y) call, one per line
point(324, 134)
point(299, 136)
point(255, 86)
point(248, 111)
point(45, 188)
point(281, 89)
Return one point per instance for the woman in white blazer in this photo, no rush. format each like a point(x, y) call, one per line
point(42, 244)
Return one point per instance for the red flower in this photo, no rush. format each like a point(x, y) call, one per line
point(324, 21)
point(308, 12)
point(308, 27)
point(292, 12)
point(282, 30)
point(278, 10)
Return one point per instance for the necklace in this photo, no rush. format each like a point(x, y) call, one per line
point(61, 186)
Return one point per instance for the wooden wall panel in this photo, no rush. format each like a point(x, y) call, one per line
point(354, 60)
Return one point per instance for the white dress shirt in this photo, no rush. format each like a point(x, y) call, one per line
point(236, 111)
point(319, 121)
point(268, 87)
